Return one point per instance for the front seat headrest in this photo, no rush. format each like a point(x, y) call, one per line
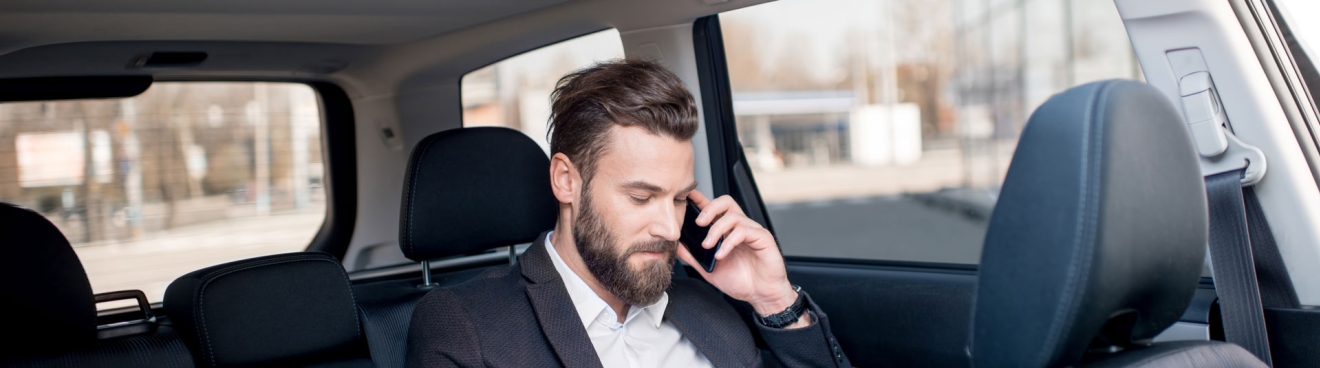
point(289, 309)
point(472, 189)
point(47, 295)
point(1100, 231)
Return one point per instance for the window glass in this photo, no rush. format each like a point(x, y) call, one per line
point(881, 129)
point(1295, 12)
point(184, 176)
point(515, 92)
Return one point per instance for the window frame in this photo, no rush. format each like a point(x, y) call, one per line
point(338, 152)
point(728, 162)
point(1270, 36)
point(409, 270)
point(338, 146)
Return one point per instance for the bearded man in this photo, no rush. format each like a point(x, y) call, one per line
point(600, 285)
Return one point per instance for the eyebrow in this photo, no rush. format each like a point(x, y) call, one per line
point(642, 185)
point(689, 188)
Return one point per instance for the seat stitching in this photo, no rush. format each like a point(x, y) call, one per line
point(1084, 235)
point(412, 190)
point(204, 335)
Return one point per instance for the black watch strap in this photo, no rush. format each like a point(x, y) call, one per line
point(788, 316)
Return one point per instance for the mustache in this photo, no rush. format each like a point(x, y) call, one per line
point(665, 246)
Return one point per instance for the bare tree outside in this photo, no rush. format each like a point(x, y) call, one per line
point(150, 187)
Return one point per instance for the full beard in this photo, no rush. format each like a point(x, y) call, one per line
point(596, 244)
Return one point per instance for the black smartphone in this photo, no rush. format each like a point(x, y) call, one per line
point(692, 237)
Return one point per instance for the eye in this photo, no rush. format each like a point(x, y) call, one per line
point(680, 201)
point(638, 200)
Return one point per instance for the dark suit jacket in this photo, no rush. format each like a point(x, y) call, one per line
point(522, 317)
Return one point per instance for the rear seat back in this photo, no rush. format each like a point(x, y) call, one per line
point(294, 309)
point(50, 310)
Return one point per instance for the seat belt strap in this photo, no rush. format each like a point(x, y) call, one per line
point(1234, 267)
point(1276, 287)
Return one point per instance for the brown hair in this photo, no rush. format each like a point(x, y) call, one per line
point(626, 92)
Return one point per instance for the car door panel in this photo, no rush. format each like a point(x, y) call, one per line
point(892, 316)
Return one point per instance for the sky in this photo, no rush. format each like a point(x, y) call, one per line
point(1308, 33)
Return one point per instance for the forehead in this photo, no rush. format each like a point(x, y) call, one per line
point(632, 153)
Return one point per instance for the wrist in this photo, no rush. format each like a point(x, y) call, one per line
point(777, 302)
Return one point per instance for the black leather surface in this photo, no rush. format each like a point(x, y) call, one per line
point(1100, 229)
point(472, 189)
point(47, 296)
point(291, 309)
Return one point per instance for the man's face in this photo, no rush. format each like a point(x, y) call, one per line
point(631, 213)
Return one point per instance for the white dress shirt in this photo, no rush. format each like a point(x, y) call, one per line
point(644, 339)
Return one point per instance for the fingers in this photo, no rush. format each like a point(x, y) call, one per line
point(718, 208)
point(718, 230)
point(698, 199)
point(735, 239)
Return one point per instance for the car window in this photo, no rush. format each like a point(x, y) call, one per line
point(515, 92)
point(1307, 33)
point(184, 176)
point(883, 129)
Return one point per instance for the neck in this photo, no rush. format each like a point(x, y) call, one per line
point(567, 249)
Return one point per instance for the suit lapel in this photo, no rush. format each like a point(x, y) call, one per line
point(554, 309)
point(700, 324)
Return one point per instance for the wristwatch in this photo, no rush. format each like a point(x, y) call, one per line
point(788, 316)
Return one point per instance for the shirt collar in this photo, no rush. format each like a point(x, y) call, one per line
point(589, 305)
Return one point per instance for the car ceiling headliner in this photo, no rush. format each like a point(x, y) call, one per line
point(337, 21)
point(369, 47)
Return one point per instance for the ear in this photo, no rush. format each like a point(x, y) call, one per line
point(565, 180)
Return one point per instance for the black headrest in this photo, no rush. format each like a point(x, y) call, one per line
point(1099, 233)
point(47, 297)
point(284, 309)
point(472, 189)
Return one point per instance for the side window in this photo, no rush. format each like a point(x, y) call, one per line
point(883, 129)
point(515, 92)
point(184, 176)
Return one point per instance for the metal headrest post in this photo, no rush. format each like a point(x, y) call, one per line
point(426, 275)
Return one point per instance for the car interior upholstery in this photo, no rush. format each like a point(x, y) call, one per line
point(490, 186)
point(45, 285)
point(1096, 244)
point(1101, 228)
point(292, 309)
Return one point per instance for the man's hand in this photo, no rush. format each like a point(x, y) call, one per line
point(749, 266)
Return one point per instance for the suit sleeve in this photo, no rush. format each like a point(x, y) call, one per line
point(811, 346)
point(441, 334)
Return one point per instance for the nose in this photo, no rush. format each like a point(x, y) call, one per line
point(668, 223)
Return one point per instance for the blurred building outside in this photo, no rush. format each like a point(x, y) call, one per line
point(917, 95)
point(183, 176)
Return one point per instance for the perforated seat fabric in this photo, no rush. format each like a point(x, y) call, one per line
point(1098, 236)
point(51, 310)
point(1182, 354)
point(163, 349)
point(293, 309)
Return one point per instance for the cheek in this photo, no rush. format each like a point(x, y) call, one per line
point(626, 220)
